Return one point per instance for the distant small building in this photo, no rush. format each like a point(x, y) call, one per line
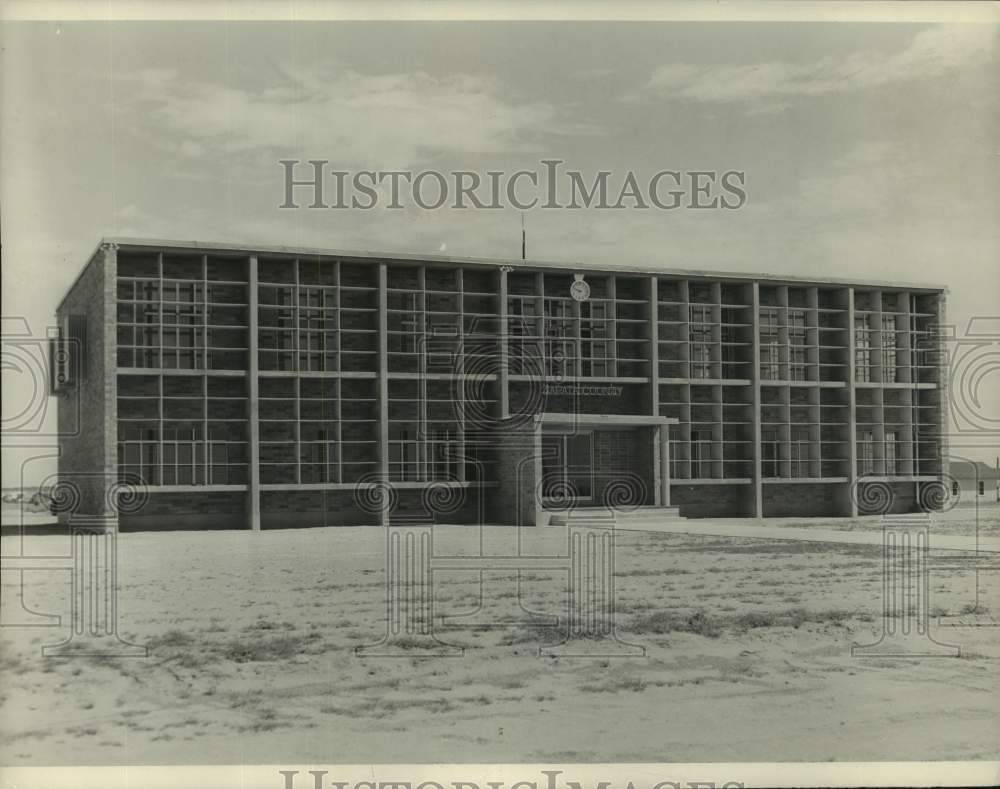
point(972, 476)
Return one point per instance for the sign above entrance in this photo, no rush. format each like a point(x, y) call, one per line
point(583, 390)
point(579, 290)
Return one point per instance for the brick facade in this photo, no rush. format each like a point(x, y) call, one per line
point(308, 373)
point(87, 451)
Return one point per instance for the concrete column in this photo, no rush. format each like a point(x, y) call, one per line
point(943, 387)
point(503, 382)
point(108, 370)
point(253, 404)
point(654, 347)
point(758, 495)
point(536, 456)
point(383, 382)
point(852, 415)
point(657, 478)
point(664, 447)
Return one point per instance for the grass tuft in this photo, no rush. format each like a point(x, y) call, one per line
point(264, 650)
point(662, 622)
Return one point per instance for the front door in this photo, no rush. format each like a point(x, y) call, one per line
point(568, 466)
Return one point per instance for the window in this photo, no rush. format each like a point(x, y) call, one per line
point(800, 452)
point(183, 291)
point(797, 345)
point(182, 346)
point(730, 352)
point(404, 323)
point(866, 453)
point(862, 350)
point(277, 349)
point(891, 454)
point(318, 454)
point(403, 457)
point(182, 456)
point(317, 343)
point(700, 337)
point(441, 455)
point(701, 454)
point(770, 453)
point(68, 353)
point(674, 446)
point(594, 351)
point(560, 346)
point(889, 349)
point(316, 329)
point(770, 365)
point(138, 451)
point(521, 315)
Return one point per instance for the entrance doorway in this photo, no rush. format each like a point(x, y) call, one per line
point(588, 465)
point(600, 460)
point(568, 467)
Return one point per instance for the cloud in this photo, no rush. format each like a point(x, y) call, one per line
point(934, 52)
point(338, 113)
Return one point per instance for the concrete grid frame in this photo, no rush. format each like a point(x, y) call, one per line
point(256, 387)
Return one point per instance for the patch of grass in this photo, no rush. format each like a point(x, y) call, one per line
point(266, 720)
point(172, 639)
point(630, 682)
point(383, 683)
point(180, 648)
point(657, 571)
point(263, 624)
point(753, 620)
point(512, 682)
point(414, 642)
point(663, 622)
point(533, 634)
point(383, 708)
point(791, 617)
point(264, 650)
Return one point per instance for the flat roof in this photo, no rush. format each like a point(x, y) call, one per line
point(531, 264)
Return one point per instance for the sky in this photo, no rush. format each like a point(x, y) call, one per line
point(870, 150)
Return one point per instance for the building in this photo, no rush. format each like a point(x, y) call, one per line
point(974, 479)
point(271, 387)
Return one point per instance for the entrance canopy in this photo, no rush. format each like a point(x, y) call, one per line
point(582, 454)
point(605, 420)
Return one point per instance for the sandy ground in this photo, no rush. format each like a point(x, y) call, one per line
point(251, 640)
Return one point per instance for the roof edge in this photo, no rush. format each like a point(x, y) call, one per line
point(79, 276)
point(387, 255)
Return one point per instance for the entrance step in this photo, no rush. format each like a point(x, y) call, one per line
point(591, 517)
point(603, 517)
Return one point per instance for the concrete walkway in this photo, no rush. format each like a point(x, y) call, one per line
point(749, 529)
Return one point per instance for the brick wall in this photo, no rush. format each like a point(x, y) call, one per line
point(440, 505)
point(803, 499)
point(175, 511)
point(903, 498)
point(290, 509)
point(88, 450)
point(513, 500)
point(712, 501)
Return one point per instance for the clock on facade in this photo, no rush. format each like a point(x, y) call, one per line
point(579, 290)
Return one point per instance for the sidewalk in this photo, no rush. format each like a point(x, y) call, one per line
point(750, 529)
